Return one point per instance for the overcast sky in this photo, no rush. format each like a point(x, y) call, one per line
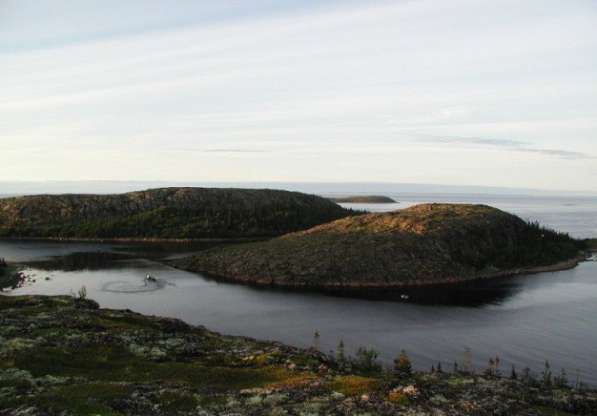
point(463, 92)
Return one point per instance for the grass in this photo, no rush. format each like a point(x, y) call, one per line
point(352, 385)
point(115, 363)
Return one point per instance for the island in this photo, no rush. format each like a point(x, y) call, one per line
point(422, 245)
point(66, 356)
point(364, 199)
point(166, 213)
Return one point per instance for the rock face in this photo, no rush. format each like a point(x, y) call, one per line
point(425, 244)
point(166, 213)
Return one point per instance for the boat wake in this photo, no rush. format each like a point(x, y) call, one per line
point(129, 287)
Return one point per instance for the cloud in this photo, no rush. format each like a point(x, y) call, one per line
point(507, 145)
point(220, 150)
point(319, 94)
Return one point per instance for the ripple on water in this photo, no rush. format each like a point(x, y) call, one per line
point(128, 287)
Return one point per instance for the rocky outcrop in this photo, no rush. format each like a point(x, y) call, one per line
point(174, 213)
point(65, 356)
point(425, 244)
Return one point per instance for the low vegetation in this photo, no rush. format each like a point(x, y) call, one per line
point(66, 356)
point(169, 213)
point(425, 244)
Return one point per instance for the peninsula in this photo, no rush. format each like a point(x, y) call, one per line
point(422, 245)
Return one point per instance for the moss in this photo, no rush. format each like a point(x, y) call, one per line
point(351, 385)
point(398, 397)
point(548, 411)
point(115, 363)
point(77, 399)
point(285, 379)
point(173, 402)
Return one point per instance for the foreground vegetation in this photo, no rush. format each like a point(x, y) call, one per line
point(425, 244)
point(65, 356)
point(169, 213)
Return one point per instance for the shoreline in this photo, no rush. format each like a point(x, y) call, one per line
point(139, 239)
point(353, 289)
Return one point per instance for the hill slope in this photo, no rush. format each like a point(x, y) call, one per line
point(166, 213)
point(425, 244)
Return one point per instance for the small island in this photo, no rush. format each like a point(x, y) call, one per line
point(422, 245)
point(364, 199)
point(66, 356)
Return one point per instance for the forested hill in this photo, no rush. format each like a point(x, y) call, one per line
point(178, 213)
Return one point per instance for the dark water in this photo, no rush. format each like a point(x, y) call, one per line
point(526, 320)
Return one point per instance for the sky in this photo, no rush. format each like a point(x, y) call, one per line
point(460, 92)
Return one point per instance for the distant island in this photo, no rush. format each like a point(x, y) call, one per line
point(166, 213)
point(364, 199)
point(422, 245)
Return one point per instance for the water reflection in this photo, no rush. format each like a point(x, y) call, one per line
point(525, 319)
point(92, 260)
point(133, 287)
point(465, 294)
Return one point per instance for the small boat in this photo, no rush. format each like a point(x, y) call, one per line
point(150, 278)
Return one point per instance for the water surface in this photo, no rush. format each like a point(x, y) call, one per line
point(525, 320)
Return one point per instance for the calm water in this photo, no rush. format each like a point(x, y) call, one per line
point(526, 320)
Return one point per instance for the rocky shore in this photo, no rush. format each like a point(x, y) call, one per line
point(66, 356)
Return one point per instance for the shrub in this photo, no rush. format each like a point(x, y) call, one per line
point(366, 360)
point(402, 365)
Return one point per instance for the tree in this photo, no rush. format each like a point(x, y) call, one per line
point(547, 375)
point(316, 338)
point(366, 360)
point(341, 354)
point(402, 365)
point(561, 380)
point(467, 361)
point(513, 374)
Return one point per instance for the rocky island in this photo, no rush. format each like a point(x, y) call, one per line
point(421, 245)
point(66, 356)
point(167, 213)
point(364, 199)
